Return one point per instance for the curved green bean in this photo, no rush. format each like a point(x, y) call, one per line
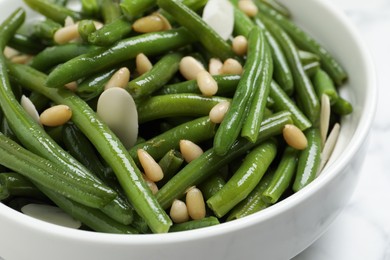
point(195, 224)
point(110, 33)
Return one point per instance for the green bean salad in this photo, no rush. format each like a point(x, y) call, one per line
point(155, 116)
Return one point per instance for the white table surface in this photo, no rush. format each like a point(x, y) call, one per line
point(362, 230)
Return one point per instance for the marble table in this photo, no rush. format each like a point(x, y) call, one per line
point(362, 230)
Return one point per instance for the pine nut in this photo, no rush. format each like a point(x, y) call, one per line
point(146, 24)
point(240, 45)
point(56, 115)
point(152, 185)
point(30, 108)
point(206, 83)
point(119, 79)
point(67, 34)
point(248, 7)
point(151, 168)
point(195, 203)
point(179, 212)
point(190, 150)
point(21, 59)
point(324, 117)
point(167, 24)
point(231, 66)
point(294, 137)
point(215, 66)
point(189, 67)
point(68, 21)
point(143, 64)
point(10, 52)
point(72, 86)
point(329, 146)
point(218, 112)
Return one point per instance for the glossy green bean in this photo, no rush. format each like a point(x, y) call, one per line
point(15, 184)
point(91, 8)
point(85, 28)
point(275, 5)
point(309, 160)
point(176, 105)
point(308, 57)
point(195, 224)
point(46, 29)
point(170, 164)
point(110, 10)
point(342, 107)
point(211, 186)
point(93, 86)
point(110, 33)
point(92, 62)
point(210, 162)
point(244, 180)
point(312, 68)
point(323, 84)
point(26, 44)
point(199, 28)
point(283, 176)
point(242, 23)
point(134, 8)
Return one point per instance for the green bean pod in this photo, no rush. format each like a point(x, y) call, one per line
point(283, 175)
point(155, 78)
point(110, 33)
point(199, 28)
point(242, 23)
point(93, 86)
point(210, 162)
point(176, 105)
point(133, 8)
point(308, 57)
point(92, 62)
point(323, 84)
point(26, 44)
point(195, 224)
point(15, 184)
point(85, 28)
point(311, 68)
point(244, 179)
point(342, 107)
point(278, 7)
point(212, 185)
point(46, 29)
point(170, 164)
point(91, 8)
point(309, 160)
point(110, 10)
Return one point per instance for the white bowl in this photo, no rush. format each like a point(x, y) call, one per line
point(279, 232)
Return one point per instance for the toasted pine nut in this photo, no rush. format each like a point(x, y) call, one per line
point(167, 24)
point(195, 203)
point(10, 52)
point(231, 66)
point(67, 34)
point(119, 79)
point(146, 24)
point(329, 145)
point(21, 59)
point(72, 86)
point(152, 185)
point(68, 21)
point(190, 150)
point(248, 7)
point(143, 64)
point(294, 137)
point(56, 115)
point(30, 108)
point(324, 117)
point(151, 168)
point(218, 112)
point(179, 212)
point(190, 67)
point(215, 66)
point(206, 83)
point(240, 45)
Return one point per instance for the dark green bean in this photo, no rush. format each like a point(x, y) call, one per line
point(283, 175)
point(277, 7)
point(92, 62)
point(233, 121)
point(15, 184)
point(311, 68)
point(91, 8)
point(242, 23)
point(309, 160)
point(176, 105)
point(308, 57)
point(342, 107)
point(85, 28)
point(244, 179)
point(195, 224)
point(323, 84)
point(46, 29)
point(110, 10)
point(155, 78)
point(111, 33)
point(199, 28)
point(212, 185)
point(170, 164)
point(210, 162)
point(40, 101)
point(134, 8)
point(25, 44)
point(93, 86)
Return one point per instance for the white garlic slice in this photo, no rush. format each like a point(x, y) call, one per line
point(116, 107)
point(50, 214)
point(219, 15)
point(29, 107)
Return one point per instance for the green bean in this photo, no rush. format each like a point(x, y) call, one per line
point(6, 130)
point(253, 202)
point(227, 84)
point(305, 92)
point(323, 84)
point(282, 73)
point(342, 107)
point(40, 101)
point(106, 143)
point(170, 164)
point(312, 68)
point(110, 33)
point(15, 184)
point(46, 29)
point(85, 28)
point(92, 62)
point(52, 11)
point(233, 121)
point(90, 8)
point(242, 23)
point(199, 28)
point(58, 54)
point(197, 130)
point(210, 162)
point(283, 102)
point(306, 42)
point(176, 105)
point(252, 123)
point(307, 57)
point(309, 160)
point(110, 11)
point(244, 179)
point(283, 175)
point(40, 170)
point(275, 5)
point(195, 224)
point(212, 185)
point(25, 44)
point(155, 78)
point(133, 8)
point(93, 86)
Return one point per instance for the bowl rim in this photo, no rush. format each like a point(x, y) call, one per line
point(330, 172)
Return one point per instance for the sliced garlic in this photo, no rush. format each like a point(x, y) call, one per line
point(219, 15)
point(29, 106)
point(116, 107)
